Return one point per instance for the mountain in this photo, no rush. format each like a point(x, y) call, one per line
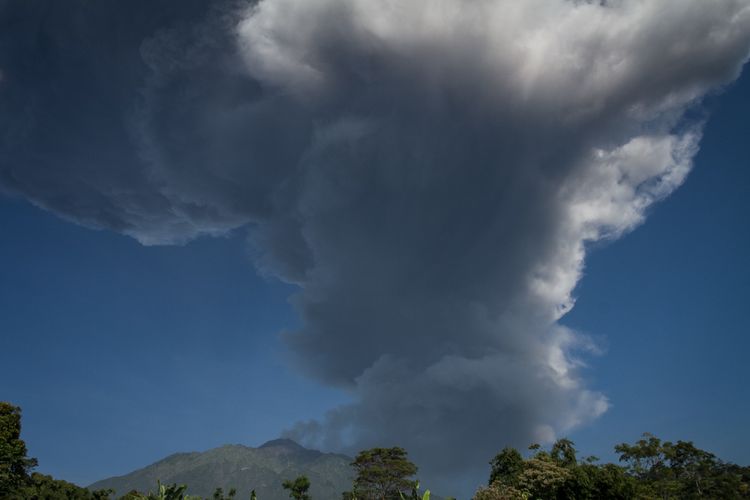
point(244, 468)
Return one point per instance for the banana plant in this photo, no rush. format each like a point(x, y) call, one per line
point(415, 494)
point(169, 492)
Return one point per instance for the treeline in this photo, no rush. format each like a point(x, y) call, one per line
point(652, 469)
point(649, 469)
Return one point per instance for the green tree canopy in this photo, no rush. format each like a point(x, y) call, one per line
point(298, 488)
point(383, 474)
point(564, 452)
point(42, 487)
point(14, 464)
point(554, 474)
point(506, 467)
point(654, 469)
point(681, 470)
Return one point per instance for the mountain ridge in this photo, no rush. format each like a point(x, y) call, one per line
point(242, 467)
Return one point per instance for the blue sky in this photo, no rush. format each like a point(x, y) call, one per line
point(120, 354)
point(431, 217)
point(670, 301)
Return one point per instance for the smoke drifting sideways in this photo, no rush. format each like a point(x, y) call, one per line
point(428, 174)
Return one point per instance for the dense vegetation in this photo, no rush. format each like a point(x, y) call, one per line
point(651, 469)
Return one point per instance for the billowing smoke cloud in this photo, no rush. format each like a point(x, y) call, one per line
point(428, 173)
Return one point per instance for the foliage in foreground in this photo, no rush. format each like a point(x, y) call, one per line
point(14, 464)
point(383, 474)
point(43, 487)
point(298, 488)
point(178, 492)
point(653, 469)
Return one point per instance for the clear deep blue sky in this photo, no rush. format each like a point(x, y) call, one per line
point(120, 354)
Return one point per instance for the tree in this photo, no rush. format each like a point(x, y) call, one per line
point(499, 491)
point(506, 467)
point(564, 453)
point(14, 464)
point(45, 487)
point(645, 458)
point(554, 474)
point(542, 477)
point(298, 488)
point(681, 470)
point(383, 474)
